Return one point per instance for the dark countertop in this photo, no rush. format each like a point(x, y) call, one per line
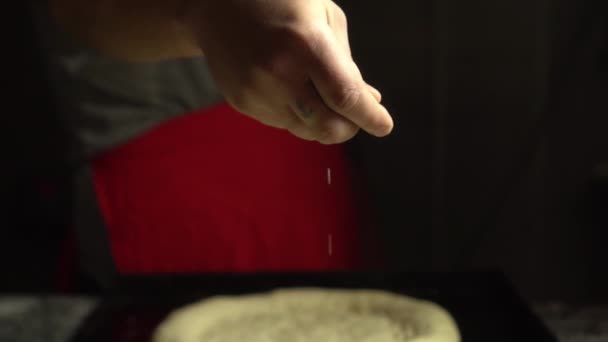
point(575, 323)
point(41, 319)
point(53, 319)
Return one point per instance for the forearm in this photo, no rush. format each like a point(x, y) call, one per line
point(133, 30)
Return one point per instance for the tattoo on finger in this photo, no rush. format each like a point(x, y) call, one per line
point(305, 111)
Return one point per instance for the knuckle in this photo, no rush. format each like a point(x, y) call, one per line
point(346, 99)
point(276, 63)
point(304, 38)
point(336, 135)
point(293, 46)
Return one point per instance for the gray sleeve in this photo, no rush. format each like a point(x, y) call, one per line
point(107, 102)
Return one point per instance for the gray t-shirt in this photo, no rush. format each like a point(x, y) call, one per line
point(107, 102)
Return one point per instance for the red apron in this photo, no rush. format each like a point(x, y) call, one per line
point(215, 191)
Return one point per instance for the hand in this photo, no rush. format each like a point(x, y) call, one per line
point(287, 64)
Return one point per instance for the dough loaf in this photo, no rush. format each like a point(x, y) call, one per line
point(310, 315)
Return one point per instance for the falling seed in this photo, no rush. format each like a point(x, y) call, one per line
point(329, 176)
point(329, 245)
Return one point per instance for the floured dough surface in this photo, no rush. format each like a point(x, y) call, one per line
point(306, 315)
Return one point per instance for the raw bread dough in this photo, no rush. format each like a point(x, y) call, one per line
point(310, 315)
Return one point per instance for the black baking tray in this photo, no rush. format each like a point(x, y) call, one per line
point(484, 304)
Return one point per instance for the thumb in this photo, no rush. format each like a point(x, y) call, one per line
point(343, 90)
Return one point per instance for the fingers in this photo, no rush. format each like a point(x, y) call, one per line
point(344, 92)
point(326, 126)
point(375, 93)
point(298, 128)
point(303, 131)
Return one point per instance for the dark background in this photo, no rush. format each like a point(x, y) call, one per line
point(501, 120)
